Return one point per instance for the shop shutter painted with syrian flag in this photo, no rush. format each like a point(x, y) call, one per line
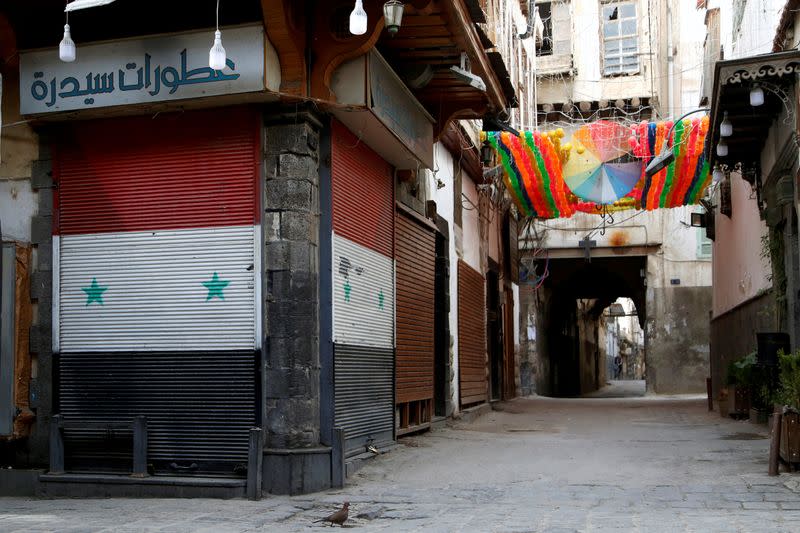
point(156, 281)
point(363, 292)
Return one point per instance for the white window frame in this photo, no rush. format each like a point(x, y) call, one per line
point(705, 246)
point(622, 65)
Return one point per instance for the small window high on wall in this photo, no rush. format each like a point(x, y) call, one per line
point(546, 16)
point(620, 38)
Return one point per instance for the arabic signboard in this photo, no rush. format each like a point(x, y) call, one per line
point(172, 67)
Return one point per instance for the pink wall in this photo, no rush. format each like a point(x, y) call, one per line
point(739, 272)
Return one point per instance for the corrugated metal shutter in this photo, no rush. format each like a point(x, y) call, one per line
point(192, 170)
point(199, 408)
point(156, 274)
point(363, 193)
point(416, 263)
point(363, 296)
point(364, 395)
point(363, 292)
point(472, 370)
point(153, 297)
point(157, 225)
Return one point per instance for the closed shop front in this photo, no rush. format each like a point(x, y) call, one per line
point(472, 361)
point(157, 288)
point(415, 250)
point(363, 292)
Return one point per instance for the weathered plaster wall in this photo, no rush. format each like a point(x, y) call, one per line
point(588, 331)
point(19, 147)
point(677, 339)
point(444, 199)
point(740, 273)
point(470, 250)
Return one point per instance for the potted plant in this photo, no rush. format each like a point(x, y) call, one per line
point(789, 396)
point(740, 377)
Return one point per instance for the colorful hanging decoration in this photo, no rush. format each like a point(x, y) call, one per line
point(604, 171)
point(602, 168)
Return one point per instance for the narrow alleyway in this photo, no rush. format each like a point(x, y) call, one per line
point(551, 465)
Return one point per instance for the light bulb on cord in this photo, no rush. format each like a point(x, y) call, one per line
point(722, 148)
point(756, 96)
point(725, 128)
point(358, 19)
point(66, 48)
point(216, 56)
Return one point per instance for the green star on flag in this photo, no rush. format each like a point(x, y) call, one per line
point(94, 292)
point(215, 287)
point(347, 289)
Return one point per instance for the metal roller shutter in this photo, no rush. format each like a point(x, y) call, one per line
point(416, 264)
point(472, 370)
point(363, 292)
point(157, 287)
point(364, 395)
point(199, 408)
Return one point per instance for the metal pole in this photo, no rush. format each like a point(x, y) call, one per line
point(775, 444)
point(140, 446)
point(56, 445)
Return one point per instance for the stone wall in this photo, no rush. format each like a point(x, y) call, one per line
point(295, 461)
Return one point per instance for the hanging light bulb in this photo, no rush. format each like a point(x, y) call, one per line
point(722, 148)
point(756, 96)
point(66, 48)
point(358, 19)
point(216, 56)
point(725, 127)
point(718, 175)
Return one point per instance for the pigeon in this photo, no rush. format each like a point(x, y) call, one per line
point(339, 517)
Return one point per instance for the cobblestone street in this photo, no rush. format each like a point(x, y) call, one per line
point(545, 465)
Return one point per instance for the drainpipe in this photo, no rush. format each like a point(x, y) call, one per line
point(670, 65)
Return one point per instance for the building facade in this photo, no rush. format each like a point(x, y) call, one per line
point(246, 273)
point(643, 68)
point(749, 79)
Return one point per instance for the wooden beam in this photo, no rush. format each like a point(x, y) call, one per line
point(330, 52)
point(284, 23)
point(459, 21)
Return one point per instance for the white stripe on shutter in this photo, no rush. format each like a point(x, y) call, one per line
point(363, 295)
point(152, 289)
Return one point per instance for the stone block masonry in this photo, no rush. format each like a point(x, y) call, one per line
point(295, 462)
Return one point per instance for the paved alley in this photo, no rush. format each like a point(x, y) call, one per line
point(544, 465)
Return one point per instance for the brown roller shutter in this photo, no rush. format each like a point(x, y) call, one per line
point(472, 374)
point(415, 247)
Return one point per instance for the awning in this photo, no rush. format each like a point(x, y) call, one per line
point(733, 81)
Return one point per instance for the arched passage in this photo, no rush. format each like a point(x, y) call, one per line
point(570, 304)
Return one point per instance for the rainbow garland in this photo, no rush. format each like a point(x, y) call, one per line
point(533, 163)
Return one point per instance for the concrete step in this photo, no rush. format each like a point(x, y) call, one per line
point(124, 486)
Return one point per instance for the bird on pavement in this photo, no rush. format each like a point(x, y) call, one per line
point(339, 517)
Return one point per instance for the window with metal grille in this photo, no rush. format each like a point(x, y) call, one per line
point(620, 38)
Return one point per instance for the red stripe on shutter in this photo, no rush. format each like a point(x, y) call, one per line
point(363, 192)
point(173, 171)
